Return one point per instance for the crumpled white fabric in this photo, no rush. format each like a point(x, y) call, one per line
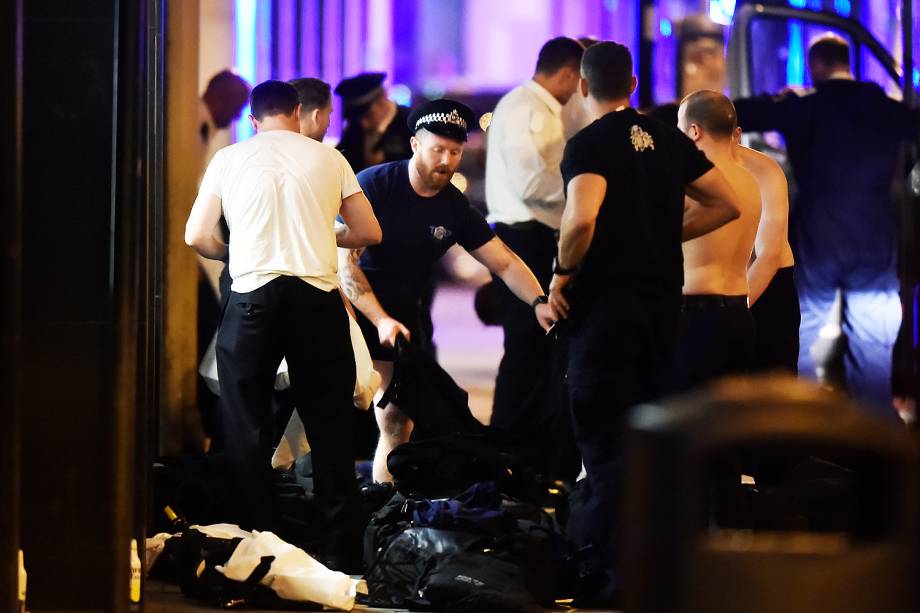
point(155, 545)
point(293, 444)
point(293, 575)
point(223, 531)
point(367, 380)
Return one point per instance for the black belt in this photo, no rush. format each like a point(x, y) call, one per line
point(713, 301)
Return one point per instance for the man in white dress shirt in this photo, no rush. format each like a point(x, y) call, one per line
point(524, 193)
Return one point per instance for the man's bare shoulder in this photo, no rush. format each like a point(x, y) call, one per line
point(760, 164)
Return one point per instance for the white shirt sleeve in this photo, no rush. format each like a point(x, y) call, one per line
point(532, 147)
point(350, 185)
point(213, 175)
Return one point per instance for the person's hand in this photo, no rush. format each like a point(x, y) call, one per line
point(546, 316)
point(556, 298)
point(388, 329)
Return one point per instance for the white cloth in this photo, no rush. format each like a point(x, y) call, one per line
point(294, 441)
point(208, 370)
point(525, 145)
point(367, 380)
point(293, 575)
point(575, 116)
point(280, 192)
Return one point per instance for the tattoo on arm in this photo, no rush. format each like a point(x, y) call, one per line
point(353, 281)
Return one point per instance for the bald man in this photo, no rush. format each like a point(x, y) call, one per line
point(773, 299)
point(717, 331)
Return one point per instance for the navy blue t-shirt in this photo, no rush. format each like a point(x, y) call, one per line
point(417, 230)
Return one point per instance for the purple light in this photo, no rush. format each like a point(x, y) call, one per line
point(245, 55)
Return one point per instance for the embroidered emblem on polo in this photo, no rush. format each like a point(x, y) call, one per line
point(641, 140)
point(439, 232)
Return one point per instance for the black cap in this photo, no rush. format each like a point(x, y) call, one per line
point(447, 118)
point(359, 91)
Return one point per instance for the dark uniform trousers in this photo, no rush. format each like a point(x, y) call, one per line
point(621, 354)
point(290, 318)
point(716, 338)
point(776, 325)
point(530, 416)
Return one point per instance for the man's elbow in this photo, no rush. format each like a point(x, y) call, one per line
point(731, 210)
point(368, 236)
point(374, 236)
point(193, 238)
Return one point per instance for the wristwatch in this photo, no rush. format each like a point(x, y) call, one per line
point(539, 300)
point(559, 270)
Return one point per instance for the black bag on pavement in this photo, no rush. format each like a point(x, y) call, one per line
point(445, 466)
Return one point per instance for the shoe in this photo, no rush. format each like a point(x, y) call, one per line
point(597, 588)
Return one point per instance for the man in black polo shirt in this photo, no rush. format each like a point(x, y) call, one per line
point(618, 277)
point(422, 215)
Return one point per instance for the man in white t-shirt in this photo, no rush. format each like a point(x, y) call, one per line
point(525, 199)
point(280, 193)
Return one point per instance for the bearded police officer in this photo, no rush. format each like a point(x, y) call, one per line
point(422, 214)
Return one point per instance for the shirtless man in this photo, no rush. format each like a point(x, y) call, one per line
point(717, 331)
point(773, 300)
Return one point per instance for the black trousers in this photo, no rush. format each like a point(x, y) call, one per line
point(776, 325)
point(621, 353)
point(716, 338)
point(290, 318)
point(530, 408)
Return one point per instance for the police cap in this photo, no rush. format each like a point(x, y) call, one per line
point(359, 91)
point(447, 118)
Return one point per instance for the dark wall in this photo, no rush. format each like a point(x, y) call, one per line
point(82, 293)
point(10, 265)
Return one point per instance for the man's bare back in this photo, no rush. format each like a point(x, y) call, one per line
point(717, 263)
point(773, 232)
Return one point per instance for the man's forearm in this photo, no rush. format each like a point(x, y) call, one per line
point(700, 220)
point(347, 239)
point(521, 280)
point(760, 274)
point(574, 241)
point(357, 288)
point(210, 247)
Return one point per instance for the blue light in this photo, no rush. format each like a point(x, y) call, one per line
point(843, 7)
point(665, 27)
point(795, 64)
point(611, 5)
point(245, 56)
point(799, 4)
point(815, 5)
point(721, 11)
point(401, 95)
point(916, 308)
point(916, 77)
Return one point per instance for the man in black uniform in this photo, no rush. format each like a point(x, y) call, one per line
point(618, 278)
point(376, 130)
point(422, 215)
point(844, 141)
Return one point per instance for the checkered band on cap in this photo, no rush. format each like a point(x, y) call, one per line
point(451, 118)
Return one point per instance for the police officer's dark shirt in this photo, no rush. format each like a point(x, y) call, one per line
point(417, 231)
point(626, 295)
point(394, 142)
point(843, 143)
